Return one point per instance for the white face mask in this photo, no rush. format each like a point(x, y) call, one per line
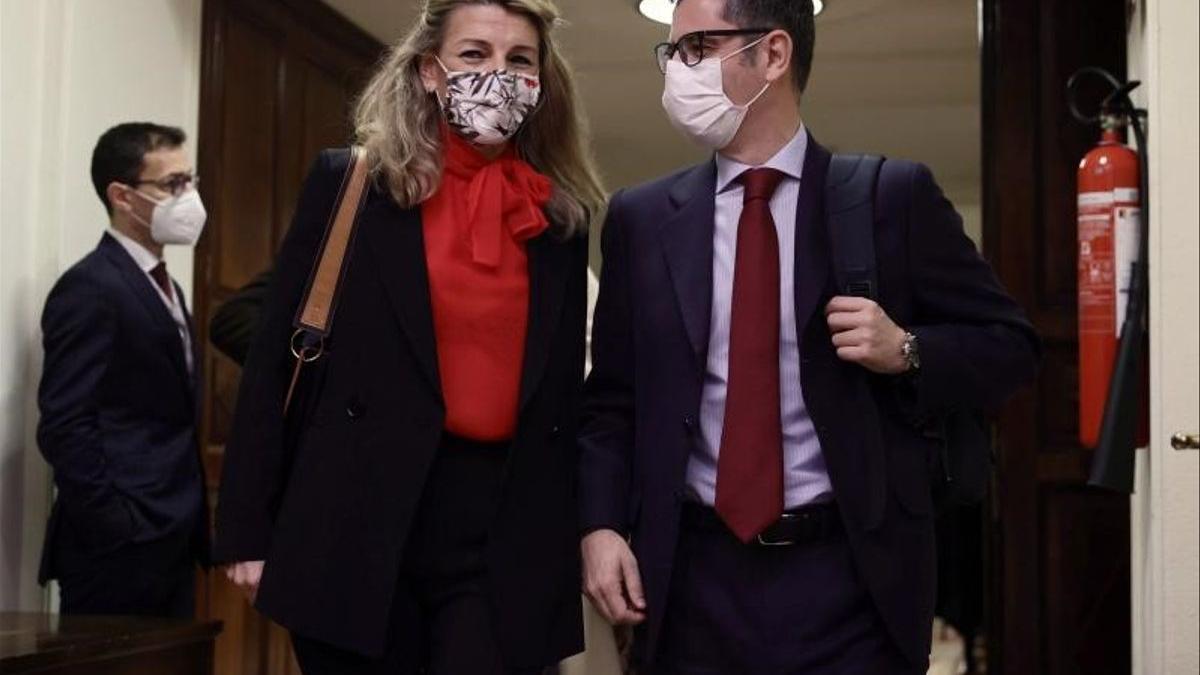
point(178, 220)
point(695, 101)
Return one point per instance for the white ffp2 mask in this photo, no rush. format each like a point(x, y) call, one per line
point(695, 101)
point(178, 220)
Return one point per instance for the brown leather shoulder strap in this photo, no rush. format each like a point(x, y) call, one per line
point(316, 311)
point(314, 317)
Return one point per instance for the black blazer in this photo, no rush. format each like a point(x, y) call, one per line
point(327, 499)
point(118, 413)
point(649, 350)
point(235, 323)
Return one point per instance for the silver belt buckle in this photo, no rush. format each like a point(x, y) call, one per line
point(768, 542)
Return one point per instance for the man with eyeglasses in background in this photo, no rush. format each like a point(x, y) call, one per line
point(119, 393)
point(755, 486)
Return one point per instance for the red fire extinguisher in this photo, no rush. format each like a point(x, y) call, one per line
point(1108, 219)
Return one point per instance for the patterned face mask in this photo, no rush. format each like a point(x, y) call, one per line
point(488, 107)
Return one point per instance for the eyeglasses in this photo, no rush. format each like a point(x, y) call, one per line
point(691, 49)
point(176, 183)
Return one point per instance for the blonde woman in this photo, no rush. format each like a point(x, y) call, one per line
point(416, 511)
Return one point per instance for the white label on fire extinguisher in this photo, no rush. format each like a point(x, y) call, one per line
point(1125, 195)
point(1108, 240)
point(1127, 253)
point(1094, 199)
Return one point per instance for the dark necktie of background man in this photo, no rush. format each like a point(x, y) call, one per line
point(159, 272)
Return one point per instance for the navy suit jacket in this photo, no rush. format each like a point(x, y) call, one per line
point(118, 413)
point(649, 344)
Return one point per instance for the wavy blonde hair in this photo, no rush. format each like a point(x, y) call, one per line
point(399, 123)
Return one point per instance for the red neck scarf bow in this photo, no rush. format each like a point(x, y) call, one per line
point(497, 197)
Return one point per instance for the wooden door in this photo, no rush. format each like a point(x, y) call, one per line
point(1060, 596)
point(277, 82)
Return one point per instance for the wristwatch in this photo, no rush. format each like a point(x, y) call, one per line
point(912, 354)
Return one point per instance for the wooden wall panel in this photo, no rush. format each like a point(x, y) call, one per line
point(326, 108)
point(223, 380)
point(248, 132)
point(266, 110)
point(1058, 391)
point(1085, 610)
point(293, 158)
point(1059, 597)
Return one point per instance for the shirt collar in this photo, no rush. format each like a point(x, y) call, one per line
point(142, 256)
point(789, 160)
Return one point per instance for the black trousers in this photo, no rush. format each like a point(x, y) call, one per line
point(442, 572)
point(156, 578)
point(737, 609)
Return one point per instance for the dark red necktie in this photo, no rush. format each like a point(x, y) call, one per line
point(750, 463)
point(159, 272)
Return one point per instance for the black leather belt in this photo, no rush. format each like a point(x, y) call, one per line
point(807, 524)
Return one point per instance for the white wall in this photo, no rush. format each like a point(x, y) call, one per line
point(967, 200)
point(69, 69)
point(1165, 515)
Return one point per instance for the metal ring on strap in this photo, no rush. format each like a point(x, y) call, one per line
point(305, 353)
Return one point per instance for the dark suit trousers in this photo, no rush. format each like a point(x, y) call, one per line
point(452, 632)
point(156, 578)
point(735, 609)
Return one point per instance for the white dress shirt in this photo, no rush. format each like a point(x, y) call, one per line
point(146, 261)
point(805, 478)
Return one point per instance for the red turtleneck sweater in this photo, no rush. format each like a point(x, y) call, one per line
point(475, 228)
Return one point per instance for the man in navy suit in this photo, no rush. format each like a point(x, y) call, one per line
point(119, 393)
point(755, 491)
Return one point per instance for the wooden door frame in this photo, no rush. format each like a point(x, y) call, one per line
point(1030, 148)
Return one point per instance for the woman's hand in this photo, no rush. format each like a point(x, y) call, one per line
point(246, 575)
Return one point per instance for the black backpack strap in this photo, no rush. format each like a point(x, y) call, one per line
point(850, 219)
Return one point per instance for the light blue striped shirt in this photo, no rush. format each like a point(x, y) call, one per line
point(805, 478)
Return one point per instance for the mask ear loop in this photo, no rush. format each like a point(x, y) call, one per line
point(133, 212)
point(748, 45)
point(758, 95)
point(153, 200)
point(739, 51)
point(435, 94)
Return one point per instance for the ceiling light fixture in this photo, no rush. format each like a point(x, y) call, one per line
point(657, 10)
point(661, 10)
